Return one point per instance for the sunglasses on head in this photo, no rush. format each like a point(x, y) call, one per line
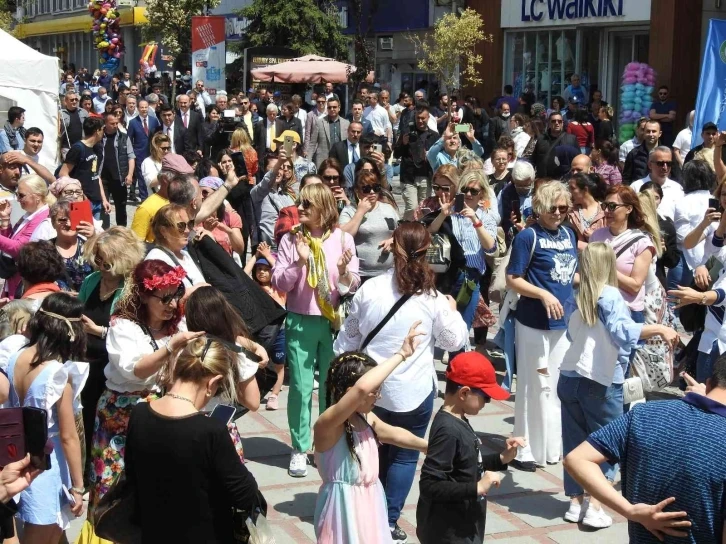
point(167, 299)
point(182, 226)
point(229, 345)
point(561, 209)
point(442, 188)
point(368, 189)
point(471, 191)
point(611, 206)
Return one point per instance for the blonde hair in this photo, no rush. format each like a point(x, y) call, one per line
point(473, 175)
point(321, 197)
point(155, 149)
point(14, 317)
point(466, 159)
point(240, 140)
point(164, 219)
point(117, 246)
point(448, 172)
point(39, 187)
point(650, 214)
point(597, 269)
point(547, 196)
point(205, 358)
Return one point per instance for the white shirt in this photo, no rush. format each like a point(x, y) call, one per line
point(379, 119)
point(351, 147)
point(689, 212)
point(672, 193)
point(150, 170)
point(627, 147)
point(185, 119)
point(194, 276)
point(683, 142)
point(413, 380)
point(169, 131)
point(130, 116)
point(303, 116)
point(99, 104)
point(713, 329)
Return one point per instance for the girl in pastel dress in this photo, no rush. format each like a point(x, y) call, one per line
point(351, 504)
point(44, 375)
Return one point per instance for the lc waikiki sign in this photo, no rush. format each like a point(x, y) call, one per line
point(524, 13)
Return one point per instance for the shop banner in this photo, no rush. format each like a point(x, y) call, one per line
point(711, 102)
point(209, 56)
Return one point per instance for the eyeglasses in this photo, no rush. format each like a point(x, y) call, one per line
point(471, 191)
point(71, 192)
point(368, 189)
point(442, 188)
point(21, 196)
point(321, 101)
point(176, 296)
point(664, 164)
point(286, 167)
point(229, 345)
point(165, 148)
point(183, 226)
point(561, 209)
point(331, 178)
point(101, 264)
point(305, 204)
point(556, 121)
point(63, 220)
point(245, 102)
point(611, 206)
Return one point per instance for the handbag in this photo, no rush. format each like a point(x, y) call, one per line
point(250, 526)
point(8, 267)
point(438, 254)
point(115, 513)
point(633, 390)
point(501, 250)
point(345, 300)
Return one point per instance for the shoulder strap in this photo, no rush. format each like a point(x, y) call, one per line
point(627, 244)
point(534, 245)
point(371, 335)
point(173, 259)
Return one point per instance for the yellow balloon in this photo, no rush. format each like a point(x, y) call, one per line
point(103, 45)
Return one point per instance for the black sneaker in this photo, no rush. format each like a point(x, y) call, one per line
point(525, 466)
point(398, 535)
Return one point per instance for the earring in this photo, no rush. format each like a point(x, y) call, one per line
point(209, 393)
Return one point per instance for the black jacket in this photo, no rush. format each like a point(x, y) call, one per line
point(219, 269)
point(636, 166)
point(182, 139)
point(194, 128)
point(413, 154)
point(339, 152)
point(542, 158)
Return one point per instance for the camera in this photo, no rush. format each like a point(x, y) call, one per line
point(229, 121)
point(412, 133)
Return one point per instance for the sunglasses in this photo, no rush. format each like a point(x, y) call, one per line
point(71, 192)
point(176, 296)
point(471, 191)
point(664, 164)
point(165, 148)
point(183, 226)
point(101, 264)
point(331, 178)
point(561, 209)
point(305, 204)
point(245, 102)
point(611, 206)
point(321, 101)
point(368, 189)
point(556, 121)
point(442, 188)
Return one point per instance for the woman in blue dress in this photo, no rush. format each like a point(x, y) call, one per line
point(45, 375)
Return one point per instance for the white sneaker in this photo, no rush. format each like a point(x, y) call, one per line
point(575, 513)
point(298, 464)
point(596, 518)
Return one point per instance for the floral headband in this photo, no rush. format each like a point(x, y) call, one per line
point(171, 279)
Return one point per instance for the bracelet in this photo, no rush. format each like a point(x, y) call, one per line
point(79, 490)
point(401, 354)
point(226, 186)
point(478, 224)
point(104, 332)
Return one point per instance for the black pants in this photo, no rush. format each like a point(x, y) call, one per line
point(118, 191)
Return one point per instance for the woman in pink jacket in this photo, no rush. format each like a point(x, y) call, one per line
point(316, 264)
point(34, 198)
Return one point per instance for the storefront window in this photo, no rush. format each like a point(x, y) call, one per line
point(413, 81)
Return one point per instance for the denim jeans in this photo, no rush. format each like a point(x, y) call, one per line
point(586, 407)
point(705, 362)
point(96, 209)
point(679, 275)
point(467, 311)
point(397, 466)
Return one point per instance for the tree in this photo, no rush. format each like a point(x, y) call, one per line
point(449, 53)
point(7, 21)
point(363, 41)
point(306, 26)
point(171, 20)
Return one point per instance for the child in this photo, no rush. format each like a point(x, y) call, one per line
point(593, 370)
point(351, 505)
point(455, 477)
point(260, 270)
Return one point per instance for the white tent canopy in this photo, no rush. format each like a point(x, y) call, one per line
point(30, 80)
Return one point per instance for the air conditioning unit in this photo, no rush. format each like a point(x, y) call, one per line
point(386, 43)
point(125, 3)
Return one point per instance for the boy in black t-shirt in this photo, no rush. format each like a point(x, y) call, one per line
point(455, 477)
point(82, 163)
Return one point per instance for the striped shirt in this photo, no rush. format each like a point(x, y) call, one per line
point(672, 449)
point(468, 239)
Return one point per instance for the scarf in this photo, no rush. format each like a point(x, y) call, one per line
point(44, 287)
point(12, 134)
point(318, 277)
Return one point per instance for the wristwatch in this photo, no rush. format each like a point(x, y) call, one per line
point(703, 300)
point(226, 186)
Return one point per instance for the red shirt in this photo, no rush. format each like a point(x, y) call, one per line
point(585, 133)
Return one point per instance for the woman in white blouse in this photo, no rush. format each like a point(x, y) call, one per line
point(407, 396)
point(146, 327)
point(151, 165)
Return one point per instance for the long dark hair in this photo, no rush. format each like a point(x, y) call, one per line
point(412, 272)
point(207, 310)
point(345, 370)
point(608, 150)
point(592, 183)
point(52, 336)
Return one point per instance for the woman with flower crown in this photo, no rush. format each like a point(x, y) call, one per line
point(146, 327)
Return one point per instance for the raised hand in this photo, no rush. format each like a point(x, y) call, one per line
point(303, 249)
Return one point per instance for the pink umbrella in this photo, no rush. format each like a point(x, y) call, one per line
point(307, 69)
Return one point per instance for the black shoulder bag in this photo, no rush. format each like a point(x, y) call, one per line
point(371, 335)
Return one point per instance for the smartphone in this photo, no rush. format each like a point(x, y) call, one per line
point(516, 210)
point(715, 204)
point(459, 202)
point(287, 145)
point(462, 128)
point(70, 498)
point(80, 211)
point(378, 148)
point(35, 422)
point(223, 412)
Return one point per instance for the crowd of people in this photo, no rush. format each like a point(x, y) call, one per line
point(276, 253)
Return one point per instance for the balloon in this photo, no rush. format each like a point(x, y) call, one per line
point(117, 55)
point(114, 41)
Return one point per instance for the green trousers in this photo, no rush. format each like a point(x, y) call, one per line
point(309, 342)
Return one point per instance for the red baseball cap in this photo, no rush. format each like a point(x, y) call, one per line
point(474, 370)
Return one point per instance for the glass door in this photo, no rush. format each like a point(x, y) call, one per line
point(623, 48)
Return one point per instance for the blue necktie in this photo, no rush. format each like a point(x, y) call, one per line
point(355, 154)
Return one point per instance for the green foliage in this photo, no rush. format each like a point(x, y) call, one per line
point(306, 26)
point(7, 9)
point(449, 53)
point(171, 21)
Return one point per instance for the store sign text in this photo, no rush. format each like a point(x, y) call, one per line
point(553, 10)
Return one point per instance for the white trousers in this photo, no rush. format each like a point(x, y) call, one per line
point(537, 407)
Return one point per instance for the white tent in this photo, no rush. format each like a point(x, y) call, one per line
point(31, 80)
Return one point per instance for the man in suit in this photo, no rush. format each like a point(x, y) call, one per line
point(192, 121)
point(316, 113)
point(172, 126)
point(288, 121)
point(356, 114)
point(268, 131)
point(328, 131)
point(140, 130)
point(348, 151)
